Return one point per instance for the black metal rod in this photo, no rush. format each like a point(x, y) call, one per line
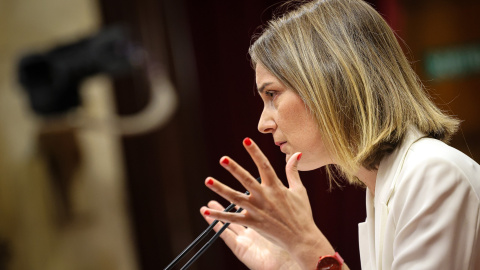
point(208, 244)
point(197, 240)
point(200, 238)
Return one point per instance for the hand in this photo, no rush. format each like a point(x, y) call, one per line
point(281, 215)
point(251, 248)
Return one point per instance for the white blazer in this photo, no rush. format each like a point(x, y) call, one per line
point(426, 210)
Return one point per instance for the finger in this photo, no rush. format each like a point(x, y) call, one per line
point(238, 229)
point(210, 220)
point(230, 235)
point(215, 205)
point(242, 175)
point(291, 170)
point(238, 218)
point(228, 193)
point(265, 169)
point(227, 235)
point(238, 207)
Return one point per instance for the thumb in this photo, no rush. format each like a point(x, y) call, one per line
point(291, 171)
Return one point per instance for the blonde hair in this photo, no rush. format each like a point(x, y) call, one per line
point(345, 62)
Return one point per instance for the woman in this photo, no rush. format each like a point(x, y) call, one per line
point(338, 91)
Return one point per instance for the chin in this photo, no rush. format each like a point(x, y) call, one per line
point(305, 167)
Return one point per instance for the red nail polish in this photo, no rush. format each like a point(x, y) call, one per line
point(299, 156)
point(206, 213)
point(225, 161)
point(247, 141)
point(210, 181)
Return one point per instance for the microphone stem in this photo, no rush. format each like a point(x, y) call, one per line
point(208, 244)
point(196, 241)
point(200, 238)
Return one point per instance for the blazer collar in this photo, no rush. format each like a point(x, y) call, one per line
point(391, 166)
point(377, 206)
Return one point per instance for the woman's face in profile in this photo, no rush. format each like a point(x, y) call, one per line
point(292, 125)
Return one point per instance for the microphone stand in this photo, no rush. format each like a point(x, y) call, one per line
point(201, 237)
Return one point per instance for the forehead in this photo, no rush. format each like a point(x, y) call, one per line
point(262, 75)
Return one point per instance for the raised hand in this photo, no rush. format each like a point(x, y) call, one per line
point(252, 248)
point(281, 215)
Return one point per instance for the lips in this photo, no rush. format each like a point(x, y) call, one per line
point(281, 144)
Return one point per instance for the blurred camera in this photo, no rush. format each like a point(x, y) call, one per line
point(52, 79)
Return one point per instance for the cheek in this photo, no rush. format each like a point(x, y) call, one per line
point(291, 114)
point(297, 119)
point(315, 154)
point(296, 122)
point(300, 129)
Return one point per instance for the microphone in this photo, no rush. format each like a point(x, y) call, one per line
point(201, 237)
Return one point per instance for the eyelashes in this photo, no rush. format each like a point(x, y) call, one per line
point(271, 94)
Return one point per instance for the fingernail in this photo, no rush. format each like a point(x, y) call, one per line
point(210, 182)
point(247, 141)
point(299, 156)
point(206, 213)
point(225, 161)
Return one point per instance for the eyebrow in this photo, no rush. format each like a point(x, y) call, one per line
point(260, 90)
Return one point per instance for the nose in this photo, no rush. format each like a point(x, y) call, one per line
point(266, 124)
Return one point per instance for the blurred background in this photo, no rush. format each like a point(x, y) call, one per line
point(112, 114)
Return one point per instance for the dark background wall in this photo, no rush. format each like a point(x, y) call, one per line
point(65, 180)
point(204, 46)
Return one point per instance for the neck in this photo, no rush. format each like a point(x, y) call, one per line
point(369, 178)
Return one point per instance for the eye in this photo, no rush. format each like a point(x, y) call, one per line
point(270, 94)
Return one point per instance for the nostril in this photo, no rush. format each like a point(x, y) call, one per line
point(266, 129)
point(266, 123)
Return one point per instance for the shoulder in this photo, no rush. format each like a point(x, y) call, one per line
point(428, 148)
point(434, 210)
point(431, 154)
point(433, 166)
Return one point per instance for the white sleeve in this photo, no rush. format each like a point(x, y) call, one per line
point(436, 214)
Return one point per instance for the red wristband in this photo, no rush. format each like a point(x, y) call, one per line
point(330, 262)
